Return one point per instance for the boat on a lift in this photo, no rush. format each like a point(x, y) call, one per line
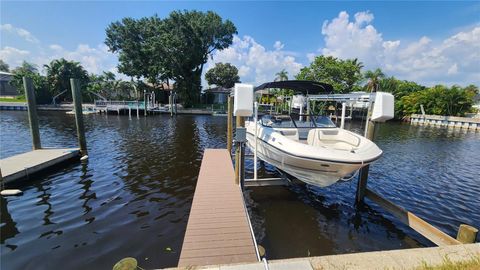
point(308, 147)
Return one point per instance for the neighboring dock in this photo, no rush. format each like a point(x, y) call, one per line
point(446, 121)
point(218, 230)
point(23, 165)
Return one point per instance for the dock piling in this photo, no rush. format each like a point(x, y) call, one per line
point(230, 124)
point(32, 112)
point(467, 234)
point(370, 128)
point(240, 155)
point(77, 102)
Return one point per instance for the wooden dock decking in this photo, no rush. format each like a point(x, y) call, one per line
point(218, 229)
point(22, 165)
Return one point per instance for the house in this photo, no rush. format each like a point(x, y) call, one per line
point(7, 90)
point(217, 95)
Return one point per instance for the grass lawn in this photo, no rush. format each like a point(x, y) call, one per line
point(17, 99)
point(472, 264)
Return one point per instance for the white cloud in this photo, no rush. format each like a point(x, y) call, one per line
point(93, 59)
point(19, 32)
point(256, 64)
point(453, 60)
point(453, 69)
point(13, 56)
point(278, 45)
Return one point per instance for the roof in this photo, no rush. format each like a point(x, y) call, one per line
point(218, 89)
point(162, 86)
point(303, 87)
point(5, 76)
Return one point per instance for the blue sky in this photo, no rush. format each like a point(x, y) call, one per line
point(429, 42)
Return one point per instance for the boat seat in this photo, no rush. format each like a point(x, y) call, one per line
point(290, 133)
point(336, 139)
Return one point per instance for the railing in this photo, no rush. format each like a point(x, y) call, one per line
point(121, 104)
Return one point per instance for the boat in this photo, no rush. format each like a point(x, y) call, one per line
point(308, 147)
point(85, 111)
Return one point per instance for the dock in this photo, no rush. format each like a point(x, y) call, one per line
point(22, 165)
point(446, 121)
point(218, 229)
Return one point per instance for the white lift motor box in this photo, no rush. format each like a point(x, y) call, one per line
point(243, 100)
point(383, 108)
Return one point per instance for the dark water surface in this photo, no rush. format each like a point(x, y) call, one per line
point(134, 195)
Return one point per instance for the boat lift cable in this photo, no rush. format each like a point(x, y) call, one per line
point(251, 228)
point(265, 263)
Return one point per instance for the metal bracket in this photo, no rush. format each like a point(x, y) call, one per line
point(240, 135)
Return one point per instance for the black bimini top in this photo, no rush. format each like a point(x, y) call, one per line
point(303, 87)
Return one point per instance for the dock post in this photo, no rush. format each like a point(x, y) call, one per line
point(170, 101)
point(230, 124)
point(363, 175)
point(467, 234)
point(145, 102)
point(77, 102)
point(32, 112)
point(342, 120)
point(138, 109)
point(239, 156)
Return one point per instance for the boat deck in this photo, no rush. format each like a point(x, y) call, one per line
point(218, 229)
point(22, 165)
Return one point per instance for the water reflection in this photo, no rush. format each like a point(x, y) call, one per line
point(8, 228)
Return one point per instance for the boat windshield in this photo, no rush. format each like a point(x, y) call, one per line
point(297, 121)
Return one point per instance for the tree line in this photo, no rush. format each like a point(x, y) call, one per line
point(347, 76)
point(56, 82)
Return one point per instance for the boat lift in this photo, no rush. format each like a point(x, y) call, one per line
point(243, 108)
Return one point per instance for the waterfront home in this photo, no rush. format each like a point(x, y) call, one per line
point(7, 90)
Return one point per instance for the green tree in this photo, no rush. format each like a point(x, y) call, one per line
point(399, 89)
point(439, 100)
point(24, 70)
point(343, 75)
point(40, 85)
point(281, 75)
point(224, 75)
point(175, 48)
point(4, 66)
point(374, 78)
point(59, 73)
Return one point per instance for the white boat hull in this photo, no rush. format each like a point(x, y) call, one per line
point(319, 170)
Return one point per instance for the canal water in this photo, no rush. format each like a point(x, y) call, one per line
point(133, 196)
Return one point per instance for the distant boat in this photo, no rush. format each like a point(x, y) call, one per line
point(84, 111)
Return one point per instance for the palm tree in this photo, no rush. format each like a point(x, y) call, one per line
point(281, 76)
point(60, 71)
point(374, 79)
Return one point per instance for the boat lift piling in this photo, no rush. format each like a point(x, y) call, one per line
point(230, 124)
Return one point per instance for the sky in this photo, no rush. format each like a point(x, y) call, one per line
point(430, 42)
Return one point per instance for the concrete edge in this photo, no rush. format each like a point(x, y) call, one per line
point(392, 259)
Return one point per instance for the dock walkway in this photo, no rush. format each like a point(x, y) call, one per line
point(218, 229)
point(22, 165)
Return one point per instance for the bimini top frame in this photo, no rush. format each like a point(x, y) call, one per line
point(300, 87)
